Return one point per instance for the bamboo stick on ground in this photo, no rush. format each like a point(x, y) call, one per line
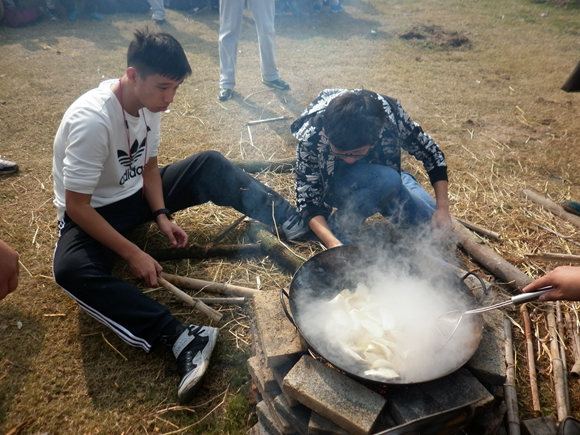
point(218, 238)
point(511, 397)
point(573, 329)
point(557, 368)
point(478, 229)
point(201, 252)
point(224, 301)
point(552, 207)
point(549, 256)
point(562, 347)
point(209, 312)
point(208, 286)
point(531, 359)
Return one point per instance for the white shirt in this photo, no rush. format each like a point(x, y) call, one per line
point(92, 153)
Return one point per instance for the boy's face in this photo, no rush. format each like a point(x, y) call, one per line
point(156, 92)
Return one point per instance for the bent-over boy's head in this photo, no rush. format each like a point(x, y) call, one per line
point(354, 120)
point(157, 53)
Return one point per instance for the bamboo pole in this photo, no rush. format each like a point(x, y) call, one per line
point(557, 368)
point(209, 312)
point(208, 286)
point(511, 397)
point(218, 238)
point(548, 256)
point(478, 229)
point(201, 252)
point(531, 359)
point(573, 329)
point(552, 207)
point(562, 347)
point(223, 301)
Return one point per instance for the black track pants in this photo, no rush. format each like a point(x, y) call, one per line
point(82, 266)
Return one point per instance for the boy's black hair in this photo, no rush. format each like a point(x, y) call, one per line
point(157, 53)
point(353, 120)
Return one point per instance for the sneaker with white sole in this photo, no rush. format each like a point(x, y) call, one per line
point(193, 350)
point(7, 167)
point(277, 84)
point(295, 229)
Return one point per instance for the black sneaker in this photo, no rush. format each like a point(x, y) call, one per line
point(193, 350)
point(277, 84)
point(225, 94)
point(7, 167)
point(295, 229)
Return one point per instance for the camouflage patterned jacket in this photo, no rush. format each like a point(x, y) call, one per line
point(315, 164)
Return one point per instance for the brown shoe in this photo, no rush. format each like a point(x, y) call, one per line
point(569, 426)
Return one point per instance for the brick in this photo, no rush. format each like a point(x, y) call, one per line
point(297, 416)
point(278, 338)
point(349, 404)
point(453, 391)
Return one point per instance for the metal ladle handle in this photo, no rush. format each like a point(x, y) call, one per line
point(525, 297)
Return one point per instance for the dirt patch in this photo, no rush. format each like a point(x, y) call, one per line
point(431, 36)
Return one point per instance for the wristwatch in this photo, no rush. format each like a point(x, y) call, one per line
point(162, 211)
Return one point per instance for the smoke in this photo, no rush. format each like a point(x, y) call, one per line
point(373, 310)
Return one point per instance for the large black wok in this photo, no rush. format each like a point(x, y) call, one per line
point(326, 274)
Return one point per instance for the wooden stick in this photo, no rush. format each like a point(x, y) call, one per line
point(207, 286)
point(549, 256)
point(261, 121)
point(224, 301)
point(573, 330)
point(562, 347)
point(227, 230)
point(531, 359)
point(552, 207)
point(511, 397)
point(562, 236)
point(209, 312)
point(201, 252)
point(478, 229)
point(490, 260)
point(557, 368)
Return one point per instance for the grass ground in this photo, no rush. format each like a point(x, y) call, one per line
point(482, 77)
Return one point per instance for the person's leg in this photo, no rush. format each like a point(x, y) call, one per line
point(82, 267)
point(263, 12)
point(412, 206)
point(231, 13)
point(157, 10)
point(358, 192)
point(209, 176)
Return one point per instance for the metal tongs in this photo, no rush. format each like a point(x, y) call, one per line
point(453, 318)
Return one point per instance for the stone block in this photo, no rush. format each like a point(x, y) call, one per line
point(279, 373)
point(297, 416)
point(280, 422)
point(349, 404)
point(265, 416)
point(453, 391)
point(279, 339)
point(488, 362)
point(263, 376)
point(540, 426)
point(258, 429)
point(320, 425)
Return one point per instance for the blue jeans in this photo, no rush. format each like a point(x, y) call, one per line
point(362, 190)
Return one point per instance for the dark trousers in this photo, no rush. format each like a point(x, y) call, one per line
point(82, 266)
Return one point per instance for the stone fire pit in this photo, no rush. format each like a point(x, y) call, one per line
point(302, 394)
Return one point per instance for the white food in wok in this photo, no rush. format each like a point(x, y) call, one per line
point(366, 331)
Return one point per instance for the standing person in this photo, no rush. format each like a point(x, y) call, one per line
point(7, 167)
point(231, 14)
point(72, 10)
point(107, 182)
point(157, 10)
point(349, 158)
point(9, 269)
